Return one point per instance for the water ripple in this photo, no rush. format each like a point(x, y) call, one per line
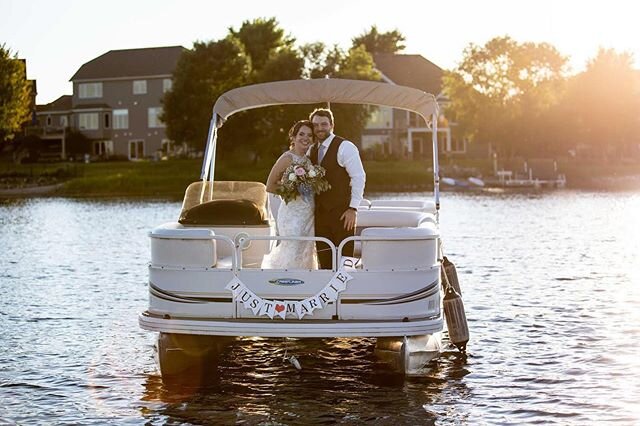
point(553, 318)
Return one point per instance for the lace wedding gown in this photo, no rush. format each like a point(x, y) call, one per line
point(294, 219)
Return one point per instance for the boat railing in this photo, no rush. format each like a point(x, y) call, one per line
point(347, 261)
point(338, 260)
point(244, 240)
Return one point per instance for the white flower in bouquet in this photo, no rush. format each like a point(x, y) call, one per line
point(302, 180)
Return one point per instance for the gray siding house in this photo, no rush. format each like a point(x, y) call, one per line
point(401, 134)
point(116, 102)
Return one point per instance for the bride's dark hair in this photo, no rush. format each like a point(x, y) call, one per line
point(293, 131)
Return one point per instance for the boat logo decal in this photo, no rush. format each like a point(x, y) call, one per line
point(286, 281)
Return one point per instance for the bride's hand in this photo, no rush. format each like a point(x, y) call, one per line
point(349, 217)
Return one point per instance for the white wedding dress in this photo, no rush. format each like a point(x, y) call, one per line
point(294, 219)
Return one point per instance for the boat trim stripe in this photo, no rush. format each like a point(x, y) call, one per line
point(419, 294)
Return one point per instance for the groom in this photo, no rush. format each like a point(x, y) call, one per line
point(337, 208)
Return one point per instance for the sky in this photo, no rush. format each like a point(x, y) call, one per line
point(57, 36)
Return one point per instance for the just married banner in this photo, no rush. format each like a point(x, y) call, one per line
point(281, 308)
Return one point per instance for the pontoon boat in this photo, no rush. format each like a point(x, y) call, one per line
point(206, 283)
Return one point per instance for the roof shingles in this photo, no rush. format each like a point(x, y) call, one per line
point(63, 103)
point(411, 71)
point(131, 63)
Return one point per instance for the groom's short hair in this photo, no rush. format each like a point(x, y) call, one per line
point(322, 112)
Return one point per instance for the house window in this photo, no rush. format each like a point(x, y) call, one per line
point(64, 122)
point(106, 120)
point(120, 118)
point(90, 90)
point(48, 120)
point(139, 87)
point(154, 117)
point(136, 149)
point(381, 118)
point(103, 148)
point(167, 84)
point(88, 121)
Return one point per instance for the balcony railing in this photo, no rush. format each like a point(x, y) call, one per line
point(41, 131)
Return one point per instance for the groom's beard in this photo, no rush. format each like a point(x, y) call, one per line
point(321, 136)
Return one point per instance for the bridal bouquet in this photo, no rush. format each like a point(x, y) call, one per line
point(304, 179)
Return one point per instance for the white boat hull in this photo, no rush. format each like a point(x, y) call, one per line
point(279, 328)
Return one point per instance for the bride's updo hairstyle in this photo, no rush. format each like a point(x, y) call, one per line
point(293, 131)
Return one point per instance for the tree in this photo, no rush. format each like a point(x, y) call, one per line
point(261, 38)
point(602, 105)
point(356, 64)
point(376, 42)
point(501, 92)
point(15, 94)
point(263, 132)
point(201, 75)
point(257, 52)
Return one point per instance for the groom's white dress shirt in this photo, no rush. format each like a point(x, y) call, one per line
point(349, 158)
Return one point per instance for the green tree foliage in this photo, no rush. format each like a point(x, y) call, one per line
point(501, 93)
point(602, 106)
point(15, 94)
point(202, 74)
point(262, 38)
point(377, 42)
point(356, 64)
point(259, 51)
point(263, 132)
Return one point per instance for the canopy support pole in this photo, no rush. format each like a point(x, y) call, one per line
point(209, 157)
point(436, 167)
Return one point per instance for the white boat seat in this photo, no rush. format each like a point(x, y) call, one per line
point(426, 206)
point(392, 218)
point(389, 218)
point(400, 254)
point(173, 245)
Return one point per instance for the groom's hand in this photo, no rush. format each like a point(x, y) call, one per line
point(349, 218)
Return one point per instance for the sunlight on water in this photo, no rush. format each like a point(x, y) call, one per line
point(550, 281)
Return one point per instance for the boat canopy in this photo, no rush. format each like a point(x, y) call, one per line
point(324, 90)
point(317, 91)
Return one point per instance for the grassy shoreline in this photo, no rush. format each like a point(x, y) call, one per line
point(169, 179)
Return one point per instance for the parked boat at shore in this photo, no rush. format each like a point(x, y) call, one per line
point(206, 280)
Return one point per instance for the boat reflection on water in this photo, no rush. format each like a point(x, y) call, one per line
point(340, 380)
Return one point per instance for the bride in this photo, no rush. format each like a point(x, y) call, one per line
point(295, 218)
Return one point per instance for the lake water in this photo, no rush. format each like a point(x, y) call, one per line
point(550, 280)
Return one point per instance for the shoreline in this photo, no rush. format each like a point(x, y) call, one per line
point(169, 179)
point(616, 183)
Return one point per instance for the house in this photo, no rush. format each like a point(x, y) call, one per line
point(116, 102)
point(52, 126)
point(402, 134)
